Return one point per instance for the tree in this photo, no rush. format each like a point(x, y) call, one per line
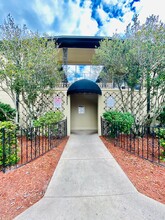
point(138, 58)
point(29, 68)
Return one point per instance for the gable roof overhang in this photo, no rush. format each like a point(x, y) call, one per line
point(80, 48)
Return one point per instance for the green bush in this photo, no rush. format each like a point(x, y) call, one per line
point(48, 118)
point(119, 121)
point(49, 122)
point(160, 132)
point(161, 117)
point(6, 112)
point(8, 155)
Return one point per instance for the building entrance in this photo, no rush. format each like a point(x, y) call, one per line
point(84, 112)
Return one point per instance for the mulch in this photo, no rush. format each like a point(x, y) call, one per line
point(22, 187)
point(147, 177)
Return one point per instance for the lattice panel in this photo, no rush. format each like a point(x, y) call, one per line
point(43, 104)
point(138, 107)
point(117, 99)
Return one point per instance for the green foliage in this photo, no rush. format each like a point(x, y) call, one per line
point(29, 65)
point(119, 121)
point(6, 112)
point(48, 122)
point(49, 118)
point(8, 155)
point(160, 132)
point(119, 60)
point(137, 58)
point(161, 117)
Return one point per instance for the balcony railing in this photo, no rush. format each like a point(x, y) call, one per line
point(101, 85)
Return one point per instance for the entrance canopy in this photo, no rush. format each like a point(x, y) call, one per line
point(84, 86)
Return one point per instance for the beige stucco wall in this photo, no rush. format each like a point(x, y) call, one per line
point(5, 98)
point(95, 106)
point(87, 120)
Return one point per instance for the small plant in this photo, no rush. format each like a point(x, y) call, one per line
point(48, 122)
point(48, 118)
point(8, 144)
point(118, 122)
point(7, 113)
point(160, 132)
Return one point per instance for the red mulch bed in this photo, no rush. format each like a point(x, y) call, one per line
point(148, 178)
point(147, 147)
point(30, 149)
point(22, 187)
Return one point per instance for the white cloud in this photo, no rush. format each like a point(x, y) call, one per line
point(114, 26)
point(103, 15)
point(59, 17)
point(145, 8)
point(44, 11)
point(87, 25)
point(71, 19)
point(78, 20)
point(81, 20)
point(111, 1)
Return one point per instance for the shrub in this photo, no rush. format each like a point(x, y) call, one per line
point(6, 112)
point(49, 123)
point(118, 121)
point(48, 118)
point(161, 117)
point(8, 155)
point(160, 132)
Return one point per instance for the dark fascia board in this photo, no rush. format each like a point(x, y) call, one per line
point(78, 41)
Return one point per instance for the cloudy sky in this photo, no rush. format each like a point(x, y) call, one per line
point(79, 17)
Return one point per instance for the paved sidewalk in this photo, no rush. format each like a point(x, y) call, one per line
point(88, 184)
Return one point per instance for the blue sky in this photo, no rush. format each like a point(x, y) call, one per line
point(79, 17)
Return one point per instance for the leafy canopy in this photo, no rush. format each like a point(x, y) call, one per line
point(28, 63)
point(137, 58)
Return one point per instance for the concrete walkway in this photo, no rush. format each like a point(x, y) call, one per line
point(88, 184)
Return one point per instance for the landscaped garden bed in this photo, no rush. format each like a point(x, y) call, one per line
point(148, 142)
point(32, 148)
point(147, 177)
point(19, 146)
point(22, 187)
point(146, 147)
